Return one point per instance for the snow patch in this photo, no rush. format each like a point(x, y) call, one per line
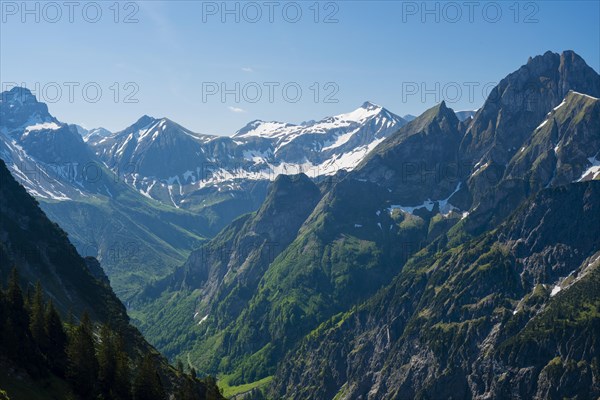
point(479, 168)
point(38, 127)
point(556, 148)
point(591, 172)
point(586, 95)
point(444, 205)
point(542, 124)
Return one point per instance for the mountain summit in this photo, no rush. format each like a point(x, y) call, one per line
point(176, 165)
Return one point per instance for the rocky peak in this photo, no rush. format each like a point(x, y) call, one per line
point(18, 96)
point(522, 100)
point(437, 116)
point(143, 122)
point(20, 108)
point(287, 190)
point(367, 105)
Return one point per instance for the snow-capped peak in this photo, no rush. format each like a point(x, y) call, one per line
point(364, 112)
point(367, 105)
point(286, 132)
point(95, 134)
point(263, 128)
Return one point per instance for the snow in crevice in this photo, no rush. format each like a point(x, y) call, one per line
point(579, 273)
point(444, 205)
point(544, 122)
point(478, 168)
point(558, 106)
point(593, 171)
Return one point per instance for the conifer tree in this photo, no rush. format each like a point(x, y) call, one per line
point(107, 361)
point(147, 384)
point(15, 303)
point(187, 390)
point(56, 339)
point(122, 386)
point(36, 318)
point(16, 327)
point(2, 315)
point(82, 363)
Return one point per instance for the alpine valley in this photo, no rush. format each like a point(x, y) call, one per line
point(452, 255)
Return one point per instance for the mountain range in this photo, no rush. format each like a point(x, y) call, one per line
point(142, 198)
point(298, 301)
point(362, 256)
point(169, 163)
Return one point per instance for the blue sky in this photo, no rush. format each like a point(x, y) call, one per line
point(174, 59)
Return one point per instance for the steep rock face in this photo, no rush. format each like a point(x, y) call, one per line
point(444, 325)
point(521, 100)
point(56, 146)
point(19, 109)
point(564, 147)
point(420, 160)
point(517, 106)
point(527, 137)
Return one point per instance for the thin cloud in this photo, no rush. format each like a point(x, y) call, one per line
point(247, 69)
point(236, 109)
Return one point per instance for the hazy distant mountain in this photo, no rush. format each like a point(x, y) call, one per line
point(168, 162)
point(134, 237)
point(95, 134)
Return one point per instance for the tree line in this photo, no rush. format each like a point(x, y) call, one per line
point(92, 359)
